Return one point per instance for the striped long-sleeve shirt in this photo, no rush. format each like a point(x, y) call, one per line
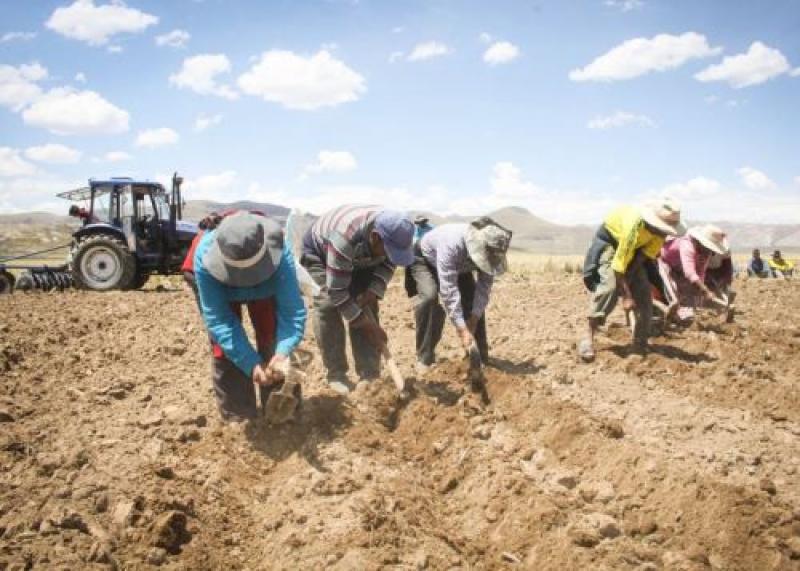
point(340, 238)
point(445, 248)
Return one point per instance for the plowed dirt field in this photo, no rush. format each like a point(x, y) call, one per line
point(112, 454)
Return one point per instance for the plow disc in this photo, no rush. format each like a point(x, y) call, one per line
point(43, 279)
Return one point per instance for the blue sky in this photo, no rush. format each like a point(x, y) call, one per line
point(566, 108)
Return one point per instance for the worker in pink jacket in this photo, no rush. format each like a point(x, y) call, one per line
point(683, 265)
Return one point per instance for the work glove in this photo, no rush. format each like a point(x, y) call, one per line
point(276, 369)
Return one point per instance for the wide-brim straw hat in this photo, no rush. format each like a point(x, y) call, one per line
point(711, 237)
point(246, 251)
point(664, 215)
point(487, 248)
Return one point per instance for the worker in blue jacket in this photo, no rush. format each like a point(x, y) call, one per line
point(244, 262)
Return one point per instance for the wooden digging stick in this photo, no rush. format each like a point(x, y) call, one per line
point(394, 370)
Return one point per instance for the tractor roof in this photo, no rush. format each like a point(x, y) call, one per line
point(102, 186)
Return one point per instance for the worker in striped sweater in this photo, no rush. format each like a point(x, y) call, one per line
point(351, 252)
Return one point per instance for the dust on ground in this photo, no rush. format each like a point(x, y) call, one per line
point(112, 455)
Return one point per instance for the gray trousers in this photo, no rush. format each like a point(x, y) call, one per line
point(603, 299)
point(429, 314)
point(329, 326)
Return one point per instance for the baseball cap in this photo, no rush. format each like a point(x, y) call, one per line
point(397, 232)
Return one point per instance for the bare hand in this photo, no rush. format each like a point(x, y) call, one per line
point(467, 340)
point(276, 369)
point(628, 304)
point(260, 376)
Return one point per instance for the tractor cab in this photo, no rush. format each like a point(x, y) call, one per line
point(132, 229)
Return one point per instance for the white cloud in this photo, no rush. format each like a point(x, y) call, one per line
point(485, 38)
point(299, 82)
point(507, 182)
point(428, 50)
point(174, 39)
point(704, 200)
point(761, 63)
point(18, 86)
point(17, 36)
point(53, 153)
point(219, 187)
point(640, 56)
point(332, 162)
point(28, 193)
point(12, 164)
point(624, 5)
point(114, 49)
point(66, 111)
point(620, 119)
point(80, 77)
point(500, 52)
point(754, 179)
point(398, 30)
point(203, 122)
point(153, 138)
point(698, 186)
point(395, 56)
point(95, 25)
point(199, 74)
point(797, 180)
point(795, 72)
point(116, 156)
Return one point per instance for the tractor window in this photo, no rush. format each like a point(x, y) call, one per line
point(102, 205)
point(162, 206)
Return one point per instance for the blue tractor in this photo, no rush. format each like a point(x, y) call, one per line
point(131, 230)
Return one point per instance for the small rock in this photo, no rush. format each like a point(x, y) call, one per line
point(568, 481)
point(768, 486)
point(165, 472)
point(612, 429)
point(6, 416)
point(448, 485)
point(101, 503)
point(584, 537)
point(169, 531)
point(149, 420)
point(482, 432)
point(100, 552)
point(793, 546)
point(441, 445)
point(156, 556)
point(124, 513)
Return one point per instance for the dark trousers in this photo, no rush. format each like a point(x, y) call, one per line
point(234, 390)
point(430, 315)
point(329, 326)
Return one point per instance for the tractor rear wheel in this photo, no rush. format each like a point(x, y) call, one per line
point(6, 282)
point(139, 280)
point(103, 263)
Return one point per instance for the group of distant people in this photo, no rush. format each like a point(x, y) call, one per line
point(776, 267)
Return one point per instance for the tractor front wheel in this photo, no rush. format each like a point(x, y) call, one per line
point(103, 263)
point(6, 282)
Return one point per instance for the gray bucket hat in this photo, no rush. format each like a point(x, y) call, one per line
point(246, 251)
point(487, 244)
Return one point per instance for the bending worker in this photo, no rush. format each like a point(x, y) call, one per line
point(244, 262)
point(684, 267)
point(629, 239)
point(351, 253)
point(446, 260)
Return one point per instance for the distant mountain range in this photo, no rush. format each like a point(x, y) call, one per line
point(26, 231)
